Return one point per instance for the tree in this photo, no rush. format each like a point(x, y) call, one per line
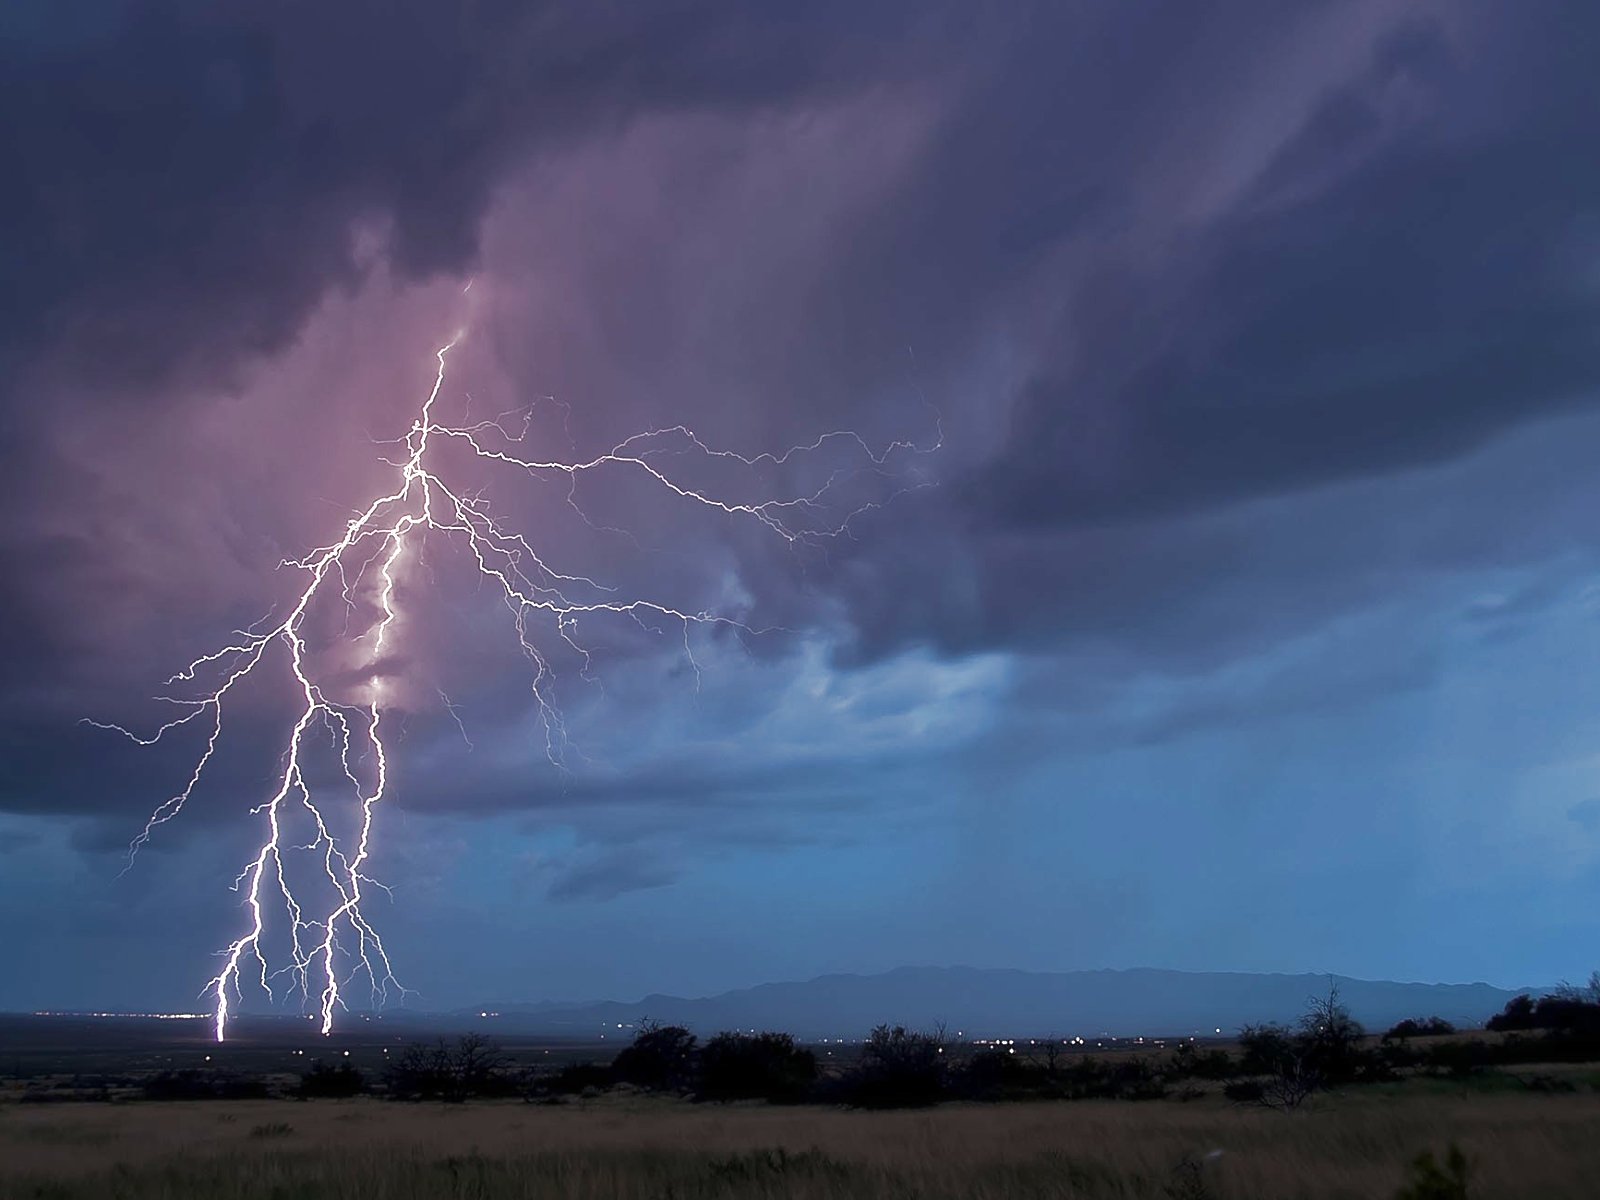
point(661, 1058)
point(1517, 1014)
point(1283, 1075)
point(329, 1081)
point(1330, 1038)
point(1419, 1027)
point(1188, 1061)
point(898, 1069)
point(1290, 1065)
point(1568, 1009)
point(766, 1066)
point(473, 1067)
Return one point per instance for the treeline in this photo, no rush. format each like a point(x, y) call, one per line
point(1277, 1066)
point(1273, 1065)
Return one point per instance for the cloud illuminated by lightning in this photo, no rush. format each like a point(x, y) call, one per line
point(361, 569)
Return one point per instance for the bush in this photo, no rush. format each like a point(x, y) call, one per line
point(1428, 1180)
point(1134, 1079)
point(764, 1066)
point(1424, 1027)
point(473, 1067)
point(1460, 1059)
point(1329, 1039)
point(203, 1085)
point(1264, 1048)
point(1517, 1014)
point(998, 1075)
point(422, 1073)
point(662, 1058)
point(1281, 1063)
point(898, 1069)
point(1322, 1050)
point(326, 1081)
point(1246, 1091)
point(1566, 1011)
point(578, 1077)
point(1191, 1063)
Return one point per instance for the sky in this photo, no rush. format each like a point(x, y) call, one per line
point(1224, 595)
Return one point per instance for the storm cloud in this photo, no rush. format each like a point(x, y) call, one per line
point(1258, 344)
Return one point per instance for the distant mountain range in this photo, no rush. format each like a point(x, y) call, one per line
point(1003, 1003)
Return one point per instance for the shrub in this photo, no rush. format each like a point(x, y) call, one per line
point(473, 1067)
point(1423, 1027)
point(1459, 1059)
point(1517, 1014)
point(578, 1077)
point(1567, 1011)
point(422, 1073)
point(1322, 1050)
point(1428, 1180)
point(326, 1081)
point(662, 1058)
point(1188, 1180)
point(766, 1066)
point(998, 1075)
point(1188, 1062)
point(203, 1085)
point(1264, 1048)
point(1329, 1040)
point(898, 1069)
point(1281, 1062)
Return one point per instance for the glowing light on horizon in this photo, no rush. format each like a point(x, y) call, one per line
point(372, 547)
point(139, 1016)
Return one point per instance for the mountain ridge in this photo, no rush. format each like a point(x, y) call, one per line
point(1004, 1001)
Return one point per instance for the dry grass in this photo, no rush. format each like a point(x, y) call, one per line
point(1354, 1146)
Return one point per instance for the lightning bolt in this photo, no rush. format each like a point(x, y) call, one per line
point(373, 545)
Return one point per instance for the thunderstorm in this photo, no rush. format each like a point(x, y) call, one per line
point(333, 944)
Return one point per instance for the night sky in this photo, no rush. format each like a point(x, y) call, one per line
point(1247, 616)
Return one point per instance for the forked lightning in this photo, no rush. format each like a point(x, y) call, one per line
point(369, 555)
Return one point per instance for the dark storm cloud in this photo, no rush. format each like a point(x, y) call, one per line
point(182, 179)
point(1384, 282)
point(1262, 338)
point(185, 182)
point(1406, 274)
point(1191, 592)
point(1191, 290)
point(1199, 260)
point(1389, 291)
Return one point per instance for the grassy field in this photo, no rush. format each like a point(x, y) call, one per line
point(1356, 1146)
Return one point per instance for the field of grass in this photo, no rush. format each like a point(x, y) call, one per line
point(1355, 1146)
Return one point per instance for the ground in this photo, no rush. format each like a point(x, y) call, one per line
point(1355, 1146)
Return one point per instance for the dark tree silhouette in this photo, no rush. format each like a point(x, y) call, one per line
point(662, 1058)
point(768, 1066)
point(898, 1069)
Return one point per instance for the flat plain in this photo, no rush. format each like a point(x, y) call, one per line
point(1352, 1146)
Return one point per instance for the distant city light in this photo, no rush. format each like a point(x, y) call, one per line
point(139, 1016)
